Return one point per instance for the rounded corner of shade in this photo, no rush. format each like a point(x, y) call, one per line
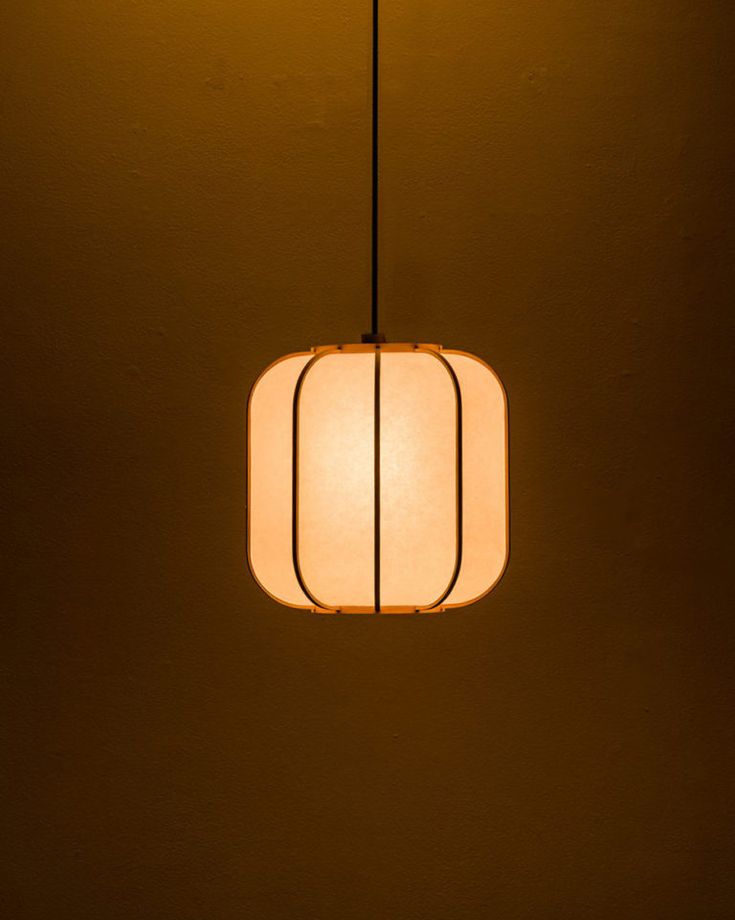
point(483, 363)
point(491, 587)
point(274, 597)
point(273, 364)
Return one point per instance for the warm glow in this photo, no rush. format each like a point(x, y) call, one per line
point(435, 502)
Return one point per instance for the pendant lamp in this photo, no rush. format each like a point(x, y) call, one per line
point(377, 472)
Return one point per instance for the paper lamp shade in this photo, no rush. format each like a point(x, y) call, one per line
point(377, 479)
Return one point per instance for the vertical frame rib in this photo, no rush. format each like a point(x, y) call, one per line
point(460, 491)
point(376, 483)
point(295, 483)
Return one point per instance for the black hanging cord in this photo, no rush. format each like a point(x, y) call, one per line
point(374, 335)
point(374, 287)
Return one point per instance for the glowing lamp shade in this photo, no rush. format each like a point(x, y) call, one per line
point(377, 479)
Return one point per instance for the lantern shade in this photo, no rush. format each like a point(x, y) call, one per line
point(377, 479)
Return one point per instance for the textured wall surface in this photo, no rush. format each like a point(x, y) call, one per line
point(185, 197)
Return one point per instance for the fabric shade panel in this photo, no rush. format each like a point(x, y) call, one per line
point(377, 479)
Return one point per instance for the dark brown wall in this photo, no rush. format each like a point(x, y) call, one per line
point(185, 199)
